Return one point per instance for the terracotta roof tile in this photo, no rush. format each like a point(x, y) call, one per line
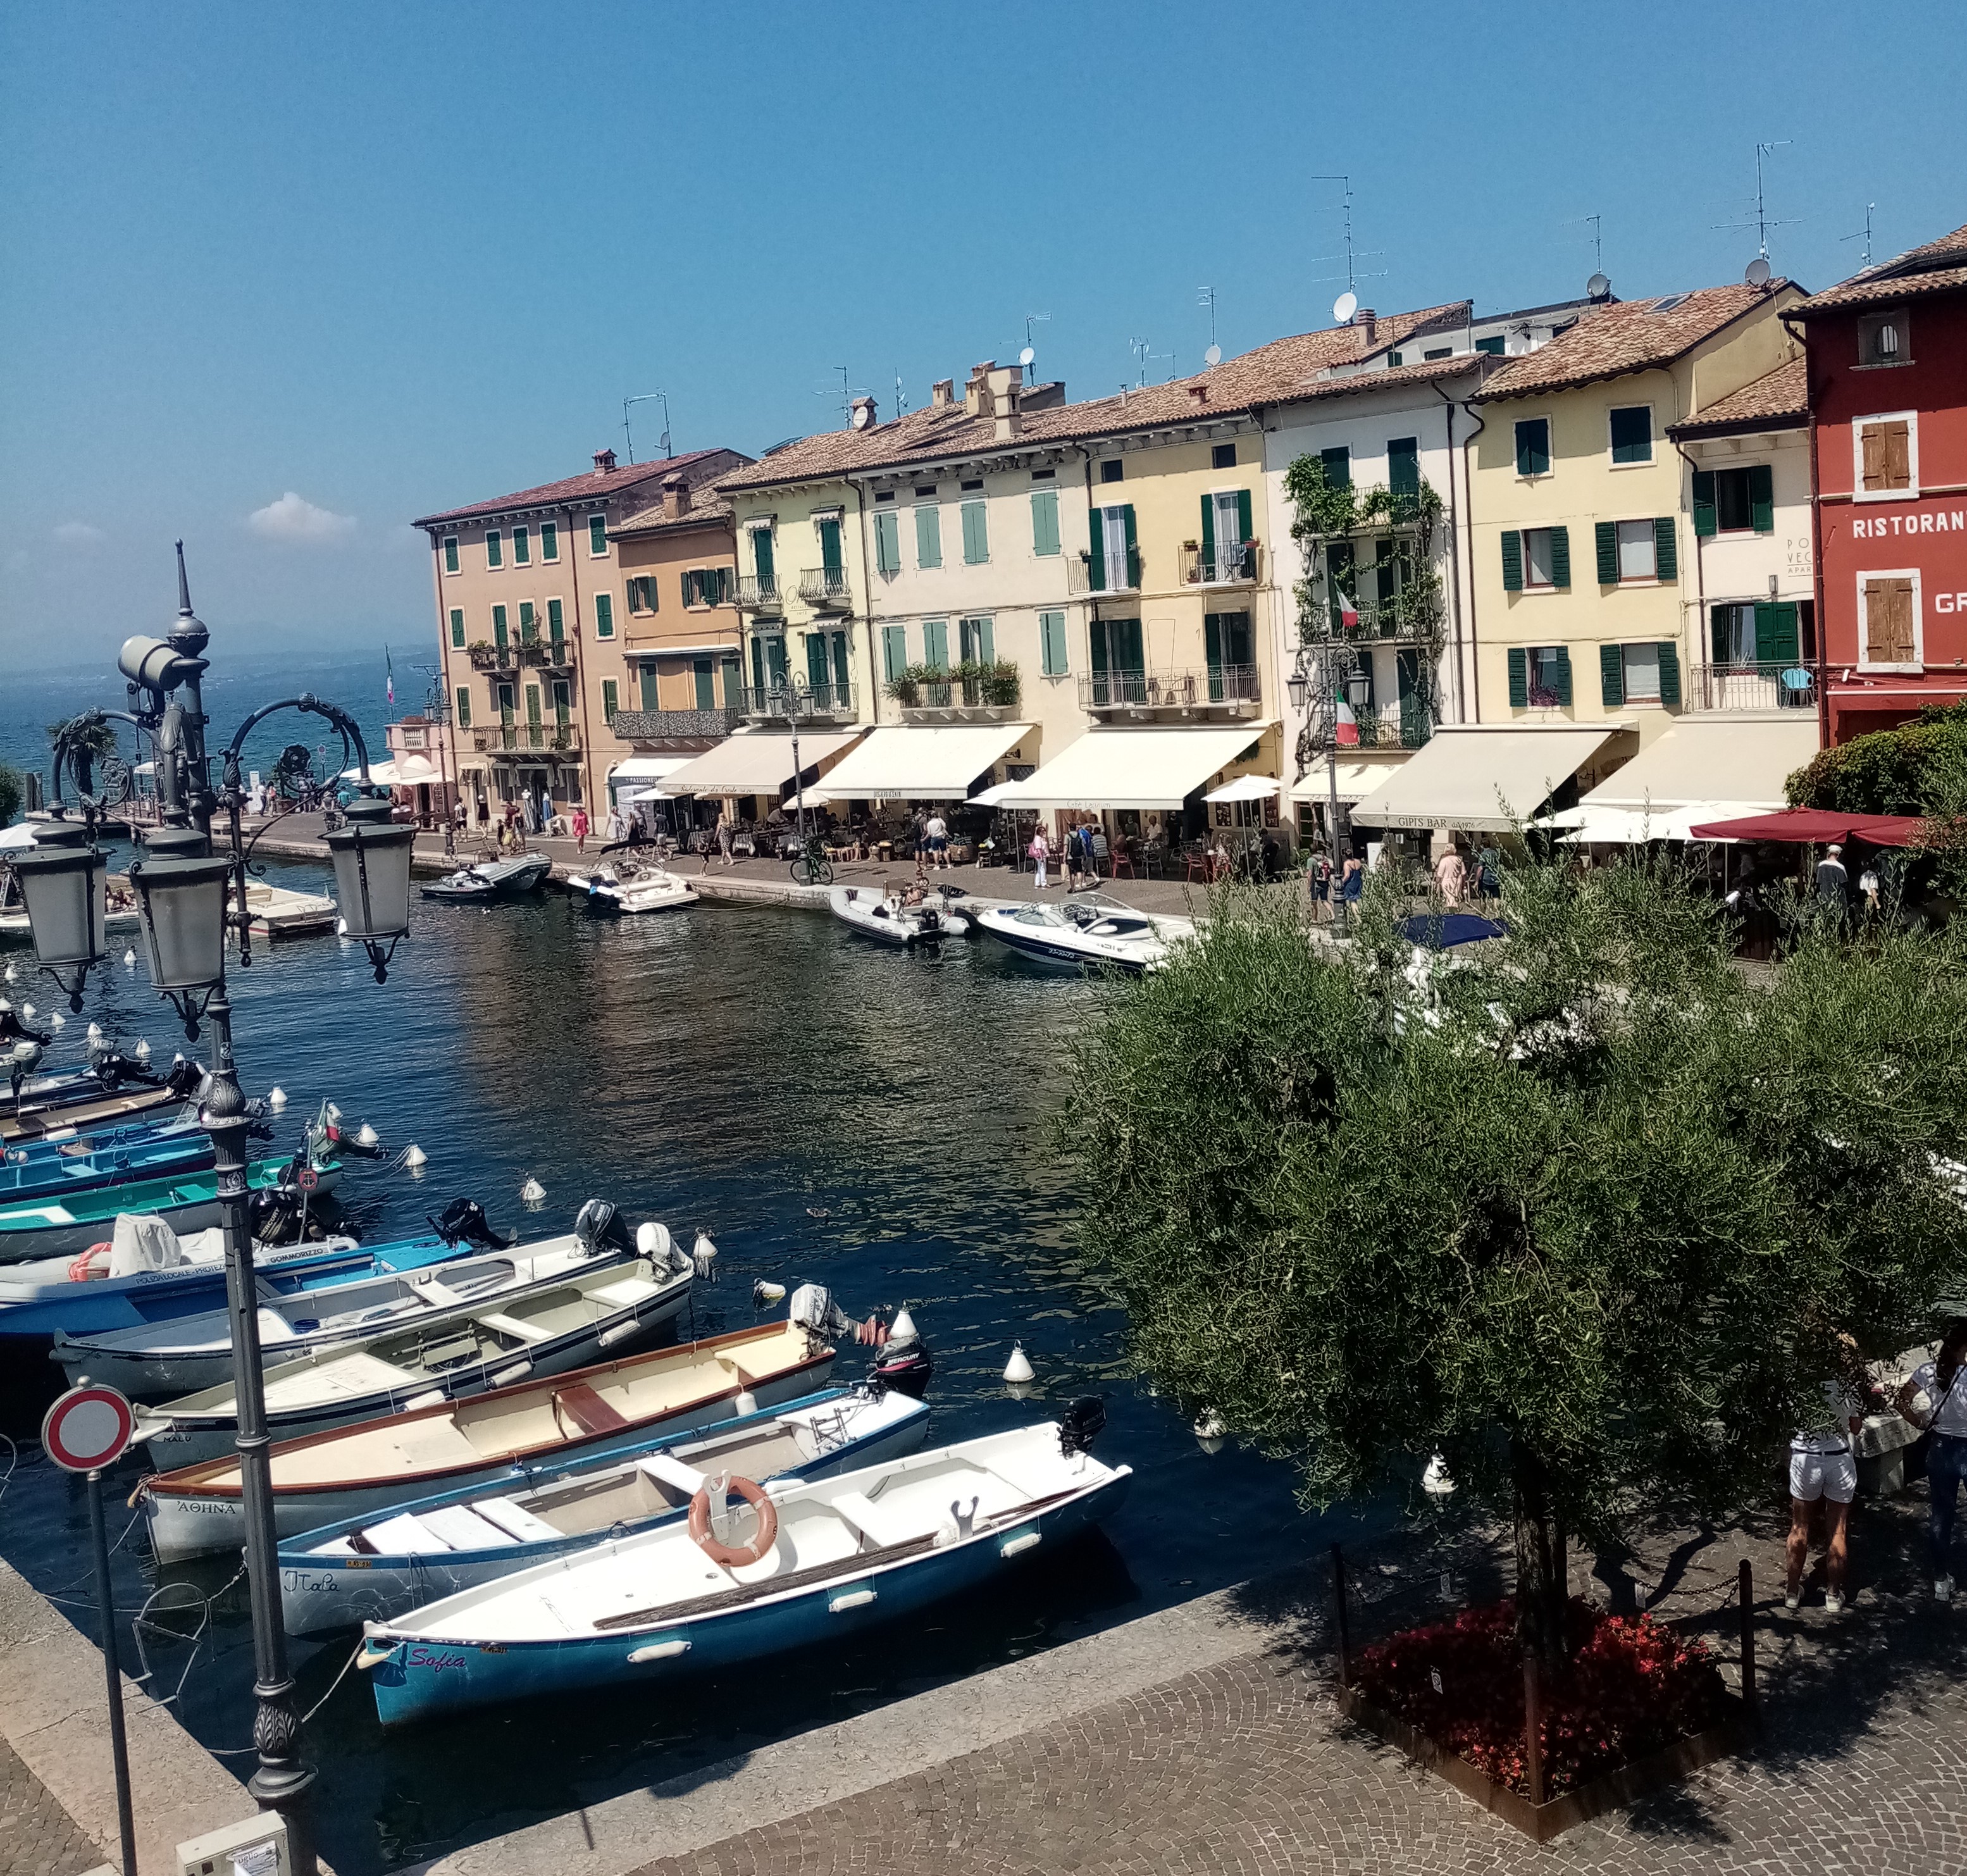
point(699, 465)
point(1628, 335)
point(1270, 373)
point(1780, 401)
point(706, 505)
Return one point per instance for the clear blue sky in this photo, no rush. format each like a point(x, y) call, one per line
point(387, 259)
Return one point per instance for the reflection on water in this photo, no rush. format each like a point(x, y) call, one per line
point(827, 1110)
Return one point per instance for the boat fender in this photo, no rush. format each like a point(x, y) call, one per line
point(142, 1491)
point(732, 1555)
point(660, 1651)
point(93, 1262)
point(376, 1648)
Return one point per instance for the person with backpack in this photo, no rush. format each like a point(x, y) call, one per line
point(1075, 856)
point(1943, 1381)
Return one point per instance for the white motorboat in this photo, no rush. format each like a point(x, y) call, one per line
point(657, 891)
point(1080, 933)
point(280, 911)
point(888, 918)
point(486, 881)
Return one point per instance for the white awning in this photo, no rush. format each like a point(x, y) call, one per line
point(406, 772)
point(652, 768)
point(1246, 788)
point(1482, 778)
point(17, 838)
point(1131, 768)
point(1356, 780)
point(755, 762)
point(1718, 756)
point(922, 762)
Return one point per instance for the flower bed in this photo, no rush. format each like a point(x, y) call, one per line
point(1632, 1688)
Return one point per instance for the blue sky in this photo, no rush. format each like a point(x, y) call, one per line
point(331, 267)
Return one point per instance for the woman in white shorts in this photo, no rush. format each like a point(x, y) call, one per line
point(1822, 1466)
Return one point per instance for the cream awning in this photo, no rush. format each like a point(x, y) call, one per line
point(1356, 780)
point(1487, 779)
point(406, 772)
point(1131, 768)
point(656, 768)
point(1246, 788)
point(755, 762)
point(1716, 757)
point(922, 762)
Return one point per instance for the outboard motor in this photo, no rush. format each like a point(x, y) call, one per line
point(813, 1309)
point(653, 1241)
point(904, 1365)
point(277, 1216)
point(12, 1029)
point(600, 1227)
point(463, 1222)
point(183, 1079)
point(1081, 1424)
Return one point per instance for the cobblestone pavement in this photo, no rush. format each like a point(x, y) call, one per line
point(1246, 1767)
point(37, 1837)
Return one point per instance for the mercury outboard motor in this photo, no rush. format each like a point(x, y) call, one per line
point(904, 1365)
point(12, 1029)
point(183, 1079)
point(1081, 1424)
point(463, 1222)
point(276, 1215)
point(600, 1227)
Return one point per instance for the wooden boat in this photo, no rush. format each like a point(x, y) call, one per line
point(545, 1329)
point(886, 919)
point(107, 1105)
point(84, 1163)
point(843, 1553)
point(607, 897)
point(377, 1565)
point(1084, 933)
point(444, 1445)
point(485, 880)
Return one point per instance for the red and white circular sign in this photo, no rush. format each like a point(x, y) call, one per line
point(88, 1429)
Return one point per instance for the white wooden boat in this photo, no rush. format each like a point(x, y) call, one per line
point(1083, 933)
point(381, 1564)
point(445, 1444)
point(838, 1555)
point(887, 918)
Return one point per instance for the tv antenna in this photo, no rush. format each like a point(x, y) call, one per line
point(1762, 224)
point(647, 397)
point(901, 397)
point(1139, 348)
point(847, 393)
point(1865, 237)
point(1597, 224)
point(1205, 296)
point(1030, 352)
point(1352, 256)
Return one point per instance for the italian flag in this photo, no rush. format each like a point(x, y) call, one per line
point(1345, 725)
point(1348, 613)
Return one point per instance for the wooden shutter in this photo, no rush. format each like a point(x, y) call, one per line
point(533, 705)
point(1212, 640)
point(1898, 455)
point(651, 688)
point(1888, 632)
point(604, 616)
point(1564, 675)
point(522, 548)
point(611, 699)
point(761, 552)
point(464, 706)
point(1045, 522)
point(1133, 553)
point(1338, 465)
point(1513, 563)
point(451, 554)
point(1777, 643)
point(1719, 619)
point(1612, 675)
point(1243, 514)
point(597, 535)
point(929, 535)
point(499, 627)
point(705, 674)
point(1209, 531)
point(976, 534)
point(894, 651)
point(1762, 498)
point(1052, 633)
point(1666, 548)
point(829, 543)
point(556, 616)
point(1519, 678)
point(1099, 559)
point(494, 554)
point(549, 541)
point(1669, 670)
point(1560, 556)
point(887, 542)
point(1607, 536)
point(987, 642)
point(528, 623)
point(840, 668)
point(1403, 465)
point(1705, 522)
point(935, 643)
point(456, 629)
point(815, 660)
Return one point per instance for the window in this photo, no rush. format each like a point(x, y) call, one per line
point(526, 631)
point(972, 488)
point(495, 549)
point(1888, 456)
point(464, 706)
point(704, 672)
point(976, 534)
point(1338, 467)
point(828, 525)
point(522, 548)
point(1051, 644)
point(1888, 613)
point(1644, 673)
point(894, 652)
point(457, 628)
point(1044, 475)
point(451, 553)
point(1225, 527)
point(1635, 558)
point(1439, 351)
point(604, 616)
point(1734, 501)
point(929, 533)
point(642, 593)
point(563, 700)
point(927, 494)
point(1537, 557)
point(1633, 433)
point(1766, 634)
point(705, 586)
point(761, 557)
point(1116, 562)
point(1222, 456)
point(935, 643)
point(1534, 445)
point(1045, 522)
point(1539, 677)
point(597, 535)
point(1882, 339)
point(1641, 667)
point(1403, 466)
point(1495, 345)
point(549, 541)
point(977, 641)
point(1394, 358)
point(887, 543)
point(651, 684)
point(1112, 469)
point(611, 699)
point(498, 633)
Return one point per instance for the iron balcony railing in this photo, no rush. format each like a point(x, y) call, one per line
point(672, 726)
point(759, 592)
point(1778, 686)
point(1392, 618)
point(1227, 565)
point(549, 735)
point(829, 702)
point(1408, 727)
point(826, 587)
point(1233, 688)
point(491, 657)
point(1124, 579)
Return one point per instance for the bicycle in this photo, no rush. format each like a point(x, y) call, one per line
point(812, 867)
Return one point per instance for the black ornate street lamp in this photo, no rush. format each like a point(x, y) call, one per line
point(183, 889)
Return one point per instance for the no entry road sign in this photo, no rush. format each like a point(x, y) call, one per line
point(88, 1429)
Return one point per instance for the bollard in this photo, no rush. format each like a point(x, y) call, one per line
point(1748, 1600)
point(1532, 1730)
point(1338, 1599)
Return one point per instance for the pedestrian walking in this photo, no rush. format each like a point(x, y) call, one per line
point(1823, 1469)
point(937, 830)
point(1318, 882)
point(580, 827)
point(1943, 1381)
point(1833, 884)
point(919, 827)
point(455, 827)
point(1451, 877)
point(1868, 890)
point(1075, 856)
point(1040, 850)
point(726, 835)
point(617, 828)
point(1352, 881)
point(1488, 872)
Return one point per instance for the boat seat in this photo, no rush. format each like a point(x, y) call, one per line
point(629, 1289)
point(879, 1525)
point(586, 1409)
point(515, 1520)
point(512, 1326)
point(404, 1535)
point(666, 1471)
point(463, 1528)
point(434, 1292)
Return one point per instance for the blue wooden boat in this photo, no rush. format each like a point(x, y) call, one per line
point(61, 1168)
point(834, 1556)
point(380, 1565)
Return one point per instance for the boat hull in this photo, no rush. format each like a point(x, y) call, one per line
point(492, 880)
point(50, 1229)
point(36, 1120)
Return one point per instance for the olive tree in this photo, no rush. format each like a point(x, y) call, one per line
point(1583, 1210)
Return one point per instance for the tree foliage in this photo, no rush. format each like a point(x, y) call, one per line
point(1912, 769)
point(12, 792)
point(1583, 1211)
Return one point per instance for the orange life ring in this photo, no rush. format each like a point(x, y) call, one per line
point(732, 1555)
point(79, 1272)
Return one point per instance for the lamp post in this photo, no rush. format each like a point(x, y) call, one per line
point(1298, 685)
point(183, 888)
point(786, 700)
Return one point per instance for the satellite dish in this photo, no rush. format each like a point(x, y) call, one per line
point(1344, 306)
point(1213, 356)
point(1758, 274)
point(1597, 287)
point(1026, 356)
point(863, 415)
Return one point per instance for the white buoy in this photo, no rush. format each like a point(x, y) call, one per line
point(746, 1403)
point(57, 1021)
point(763, 1292)
point(415, 1159)
point(341, 927)
point(1018, 1369)
point(1434, 1478)
point(26, 1013)
point(95, 1035)
point(703, 1254)
point(129, 960)
point(904, 1326)
point(142, 1051)
point(277, 1099)
point(366, 1135)
point(1210, 1426)
point(533, 1192)
point(13, 973)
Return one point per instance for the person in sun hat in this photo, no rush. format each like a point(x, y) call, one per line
point(1823, 1467)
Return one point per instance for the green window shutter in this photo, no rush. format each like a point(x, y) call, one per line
point(1052, 634)
point(464, 707)
point(1519, 678)
point(1564, 675)
point(1243, 513)
point(456, 629)
point(1208, 528)
point(495, 550)
point(840, 665)
point(451, 553)
point(522, 548)
point(1133, 551)
point(528, 623)
point(761, 552)
point(816, 672)
point(1513, 563)
point(499, 627)
point(1212, 640)
point(894, 652)
point(1098, 565)
point(611, 699)
point(1762, 498)
point(1338, 467)
point(1045, 522)
point(976, 534)
point(1607, 533)
point(706, 675)
point(887, 542)
point(649, 685)
point(987, 642)
point(1666, 548)
point(597, 534)
point(604, 616)
point(1403, 466)
point(1704, 504)
point(549, 541)
point(1560, 556)
point(1611, 675)
point(829, 543)
point(1533, 447)
point(935, 643)
point(557, 618)
point(929, 535)
point(1718, 623)
point(1669, 668)
point(1493, 346)
point(533, 704)
point(1776, 643)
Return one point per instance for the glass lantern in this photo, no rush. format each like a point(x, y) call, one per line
point(183, 898)
point(372, 876)
point(64, 881)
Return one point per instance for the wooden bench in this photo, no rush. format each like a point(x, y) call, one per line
point(586, 1409)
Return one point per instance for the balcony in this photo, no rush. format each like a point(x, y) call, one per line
point(826, 589)
point(1393, 620)
point(1079, 575)
point(563, 738)
point(1227, 691)
point(759, 592)
point(557, 657)
point(532, 652)
point(1778, 686)
point(820, 703)
point(675, 728)
point(487, 657)
point(979, 694)
point(1238, 566)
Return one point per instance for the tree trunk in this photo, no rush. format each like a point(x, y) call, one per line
point(1542, 1578)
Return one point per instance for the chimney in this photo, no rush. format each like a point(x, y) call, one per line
point(1366, 320)
point(863, 416)
point(942, 394)
point(604, 462)
point(1004, 386)
point(675, 497)
point(976, 393)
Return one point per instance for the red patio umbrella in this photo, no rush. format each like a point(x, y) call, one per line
point(1816, 826)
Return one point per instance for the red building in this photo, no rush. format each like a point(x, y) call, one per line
point(1888, 364)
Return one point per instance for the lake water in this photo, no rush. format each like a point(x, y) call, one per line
point(827, 1110)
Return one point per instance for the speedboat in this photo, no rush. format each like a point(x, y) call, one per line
point(1083, 932)
point(888, 919)
point(434, 1445)
point(485, 880)
point(608, 897)
point(280, 911)
point(805, 1562)
point(368, 1568)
